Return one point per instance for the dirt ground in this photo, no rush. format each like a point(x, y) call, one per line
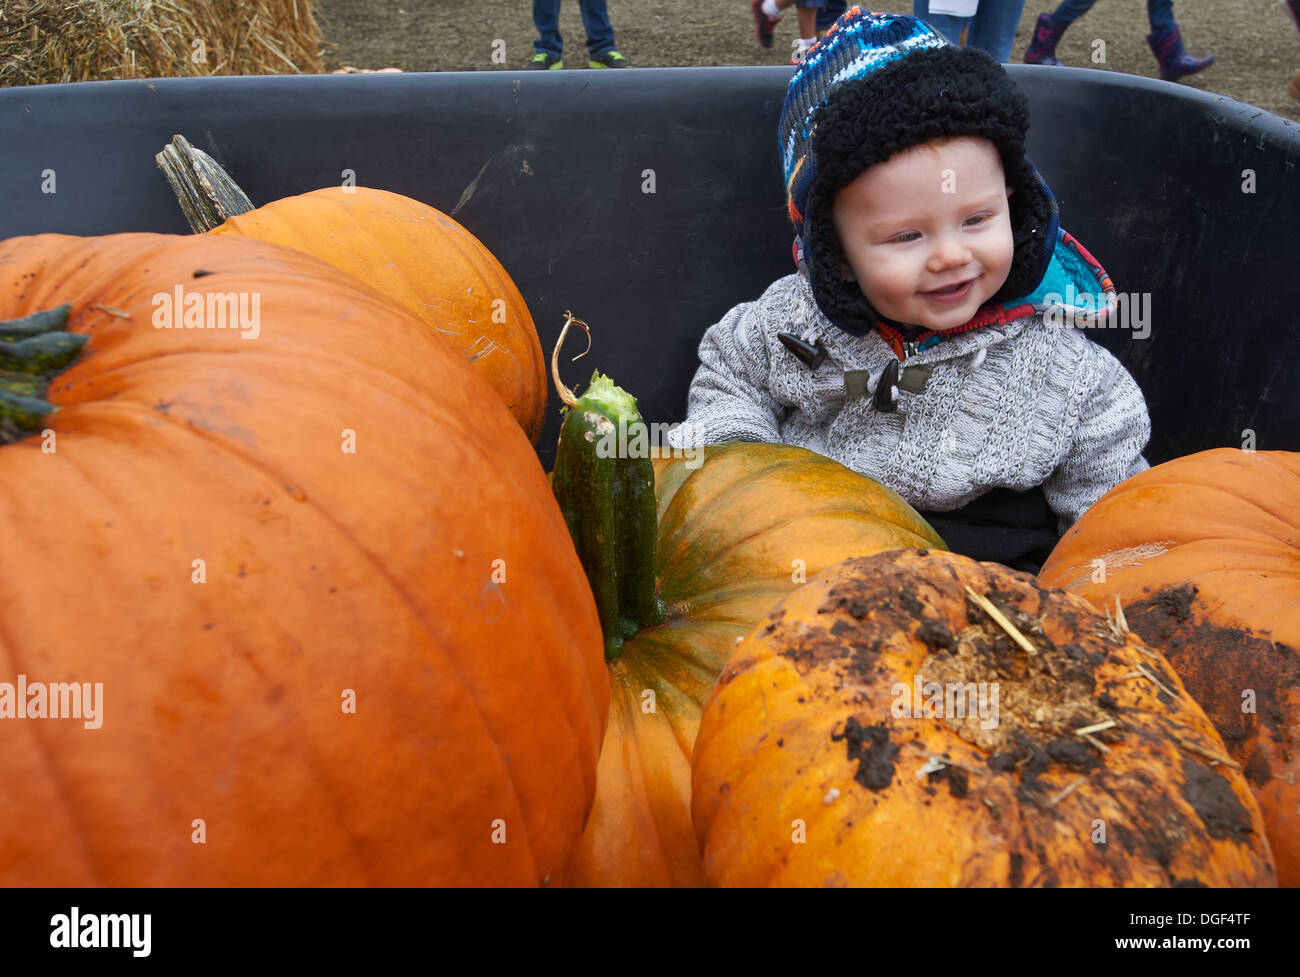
point(1257, 49)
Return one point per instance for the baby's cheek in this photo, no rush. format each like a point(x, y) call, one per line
point(1008, 244)
point(875, 296)
point(886, 283)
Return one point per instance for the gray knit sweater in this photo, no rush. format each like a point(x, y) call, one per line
point(1016, 405)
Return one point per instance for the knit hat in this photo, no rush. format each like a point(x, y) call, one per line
point(878, 84)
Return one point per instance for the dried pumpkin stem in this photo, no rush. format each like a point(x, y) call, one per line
point(565, 393)
point(205, 191)
point(605, 486)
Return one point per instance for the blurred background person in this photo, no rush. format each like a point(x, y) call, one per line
point(1293, 8)
point(549, 46)
point(815, 19)
point(990, 25)
point(1166, 38)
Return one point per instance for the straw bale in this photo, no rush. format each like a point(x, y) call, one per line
point(50, 41)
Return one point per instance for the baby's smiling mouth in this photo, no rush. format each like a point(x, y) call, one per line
point(949, 290)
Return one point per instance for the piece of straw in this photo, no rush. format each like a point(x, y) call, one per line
point(1095, 727)
point(1160, 685)
point(989, 608)
point(1067, 792)
point(1208, 754)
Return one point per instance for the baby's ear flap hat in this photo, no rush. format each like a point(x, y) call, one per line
point(878, 84)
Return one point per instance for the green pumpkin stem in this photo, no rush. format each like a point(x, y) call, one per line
point(40, 354)
point(32, 350)
point(205, 191)
point(47, 320)
point(608, 502)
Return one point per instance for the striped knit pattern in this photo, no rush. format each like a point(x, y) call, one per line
point(858, 43)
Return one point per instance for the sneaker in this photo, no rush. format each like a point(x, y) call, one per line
point(610, 59)
point(543, 61)
point(801, 51)
point(763, 24)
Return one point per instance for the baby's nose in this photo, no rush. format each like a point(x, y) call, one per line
point(949, 251)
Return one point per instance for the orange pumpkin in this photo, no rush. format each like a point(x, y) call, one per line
point(882, 729)
point(736, 527)
point(342, 635)
point(1203, 552)
point(428, 263)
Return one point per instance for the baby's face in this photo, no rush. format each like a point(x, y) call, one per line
point(932, 217)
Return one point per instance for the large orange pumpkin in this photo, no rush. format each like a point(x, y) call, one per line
point(736, 527)
point(881, 728)
point(342, 634)
point(411, 252)
point(428, 263)
point(1203, 552)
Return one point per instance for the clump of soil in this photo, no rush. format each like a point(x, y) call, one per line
point(1040, 696)
point(1219, 664)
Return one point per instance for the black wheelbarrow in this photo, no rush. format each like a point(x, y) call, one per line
point(650, 201)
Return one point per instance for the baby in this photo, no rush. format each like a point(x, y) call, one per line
point(923, 341)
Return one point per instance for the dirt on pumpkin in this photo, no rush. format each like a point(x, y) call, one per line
point(1217, 663)
point(1078, 708)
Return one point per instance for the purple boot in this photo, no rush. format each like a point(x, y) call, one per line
point(1174, 60)
point(1042, 49)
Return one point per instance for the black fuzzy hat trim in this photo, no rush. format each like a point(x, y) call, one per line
point(929, 94)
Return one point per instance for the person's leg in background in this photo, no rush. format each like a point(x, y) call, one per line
point(1050, 27)
point(549, 44)
point(808, 11)
point(993, 28)
point(600, 33)
point(833, 11)
point(600, 36)
point(1166, 40)
point(1293, 8)
point(1161, 15)
point(947, 25)
point(767, 14)
point(1068, 11)
point(546, 18)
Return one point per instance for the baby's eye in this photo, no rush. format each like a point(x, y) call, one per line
point(978, 218)
point(904, 237)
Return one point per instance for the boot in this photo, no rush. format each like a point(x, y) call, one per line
point(1042, 49)
point(1174, 60)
